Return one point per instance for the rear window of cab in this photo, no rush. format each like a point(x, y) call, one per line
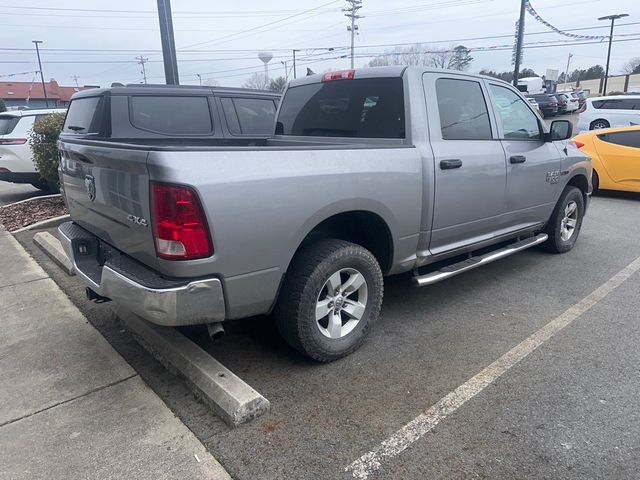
point(171, 115)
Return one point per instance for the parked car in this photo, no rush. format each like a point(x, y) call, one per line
point(372, 172)
point(548, 104)
point(582, 98)
point(570, 102)
point(611, 111)
point(562, 103)
point(616, 157)
point(16, 160)
point(533, 103)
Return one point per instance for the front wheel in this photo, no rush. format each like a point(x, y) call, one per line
point(330, 298)
point(565, 222)
point(595, 182)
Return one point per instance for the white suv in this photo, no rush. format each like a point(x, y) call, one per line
point(16, 162)
point(612, 111)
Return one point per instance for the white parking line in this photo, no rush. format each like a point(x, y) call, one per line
point(367, 464)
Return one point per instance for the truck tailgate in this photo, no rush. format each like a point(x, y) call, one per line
point(107, 192)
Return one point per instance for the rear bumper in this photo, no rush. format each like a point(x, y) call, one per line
point(168, 302)
point(19, 177)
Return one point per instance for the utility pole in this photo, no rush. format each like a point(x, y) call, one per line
point(44, 90)
point(75, 79)
point(566, 72)
point(141, 61)
point(168, 43)
point(294, 62)
point(613, 18)
point(286, 71)
point(352, 14)
point(518, 53)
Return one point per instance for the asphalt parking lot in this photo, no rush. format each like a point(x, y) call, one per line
point(14, 192)
point(567, 410)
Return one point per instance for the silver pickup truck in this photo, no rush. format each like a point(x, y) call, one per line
point(371, 172)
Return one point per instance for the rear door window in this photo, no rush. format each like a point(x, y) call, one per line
point(85, 116)
point(8, 123)
point(171, 115)
point(463, 110)
point(249, 116)
point(361, 108)
point(626, 139)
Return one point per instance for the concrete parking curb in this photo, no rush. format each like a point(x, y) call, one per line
point(53, 248)
point(219, 388)
point(42, 224)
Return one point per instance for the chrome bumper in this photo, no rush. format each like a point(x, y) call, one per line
point(200, 301)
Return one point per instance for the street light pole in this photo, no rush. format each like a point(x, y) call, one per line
point(613, 18)
point(44, 90)
point(566, 72)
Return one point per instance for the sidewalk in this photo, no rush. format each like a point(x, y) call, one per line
point(70, 406)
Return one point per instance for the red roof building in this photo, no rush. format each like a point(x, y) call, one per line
point(28, 94)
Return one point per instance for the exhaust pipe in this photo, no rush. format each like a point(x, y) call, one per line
point(216, 330)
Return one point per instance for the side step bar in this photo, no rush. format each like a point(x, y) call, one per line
point(474, 262)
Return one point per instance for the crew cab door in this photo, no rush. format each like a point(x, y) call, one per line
point(533, 164)
point(470, 169)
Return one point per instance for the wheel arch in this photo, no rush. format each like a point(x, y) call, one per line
point(367, 227)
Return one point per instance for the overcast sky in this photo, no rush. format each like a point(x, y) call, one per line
point(221, 40)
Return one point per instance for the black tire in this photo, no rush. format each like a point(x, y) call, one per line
point(595, 183)
point(46, 187)
point(306, 279)
point(599, 124)
point(554, 228)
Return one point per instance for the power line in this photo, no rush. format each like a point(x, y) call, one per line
point(262, 26)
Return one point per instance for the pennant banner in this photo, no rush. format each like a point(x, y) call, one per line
point(535, 15)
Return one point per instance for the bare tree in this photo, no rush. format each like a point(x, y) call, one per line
point(211, 82)
point(257, 81)
point(455, 58)
point(632, 66)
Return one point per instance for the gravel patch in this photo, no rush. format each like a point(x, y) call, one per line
point(24, 214)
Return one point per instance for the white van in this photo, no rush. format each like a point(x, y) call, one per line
point(612, 111)
point(532, 85)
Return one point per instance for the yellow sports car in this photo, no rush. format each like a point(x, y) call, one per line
point(616, 157)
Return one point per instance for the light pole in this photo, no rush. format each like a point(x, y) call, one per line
point(44, 90)
point(566, 72)
point(199, 78)
point(613, 18)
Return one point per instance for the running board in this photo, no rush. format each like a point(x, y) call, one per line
point(474, 262)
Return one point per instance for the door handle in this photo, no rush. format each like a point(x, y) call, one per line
point(517, 159)
point(450, 164)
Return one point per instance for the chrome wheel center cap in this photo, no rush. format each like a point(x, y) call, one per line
point(339, 301)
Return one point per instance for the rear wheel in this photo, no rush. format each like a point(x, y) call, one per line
point(599, 124)
point(330, 298)
point(565, 222)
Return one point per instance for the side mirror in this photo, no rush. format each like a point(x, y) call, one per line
point(560, 130)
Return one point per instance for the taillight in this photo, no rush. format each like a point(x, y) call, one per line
point(341, 75)
point(179, 225)
point(13, 141)
point(578, 144)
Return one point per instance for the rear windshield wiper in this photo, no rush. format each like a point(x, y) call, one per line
point(75, 128)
